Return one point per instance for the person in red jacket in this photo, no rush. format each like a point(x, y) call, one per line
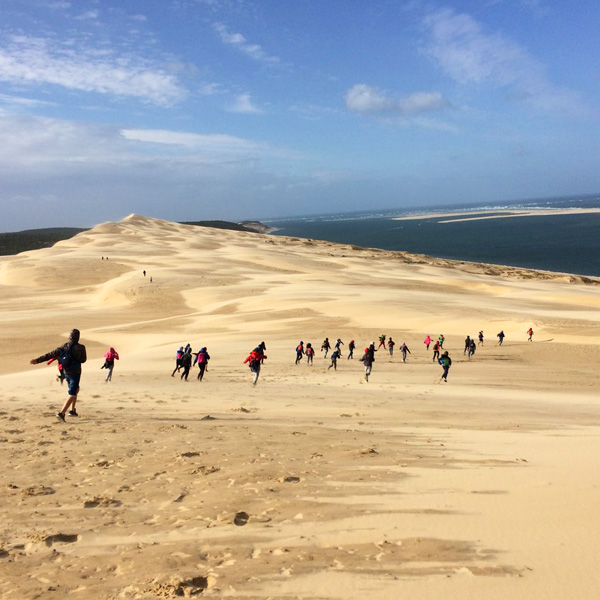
point(255, 359)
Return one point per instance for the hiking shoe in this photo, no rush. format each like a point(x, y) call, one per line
point(73, 413)
point(61, 416)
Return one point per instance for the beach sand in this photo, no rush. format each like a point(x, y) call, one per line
point(314, 484)
point(501, 213)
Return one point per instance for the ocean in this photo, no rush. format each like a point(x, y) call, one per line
point(562, 243)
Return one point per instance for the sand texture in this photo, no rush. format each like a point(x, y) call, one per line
point(314, 484)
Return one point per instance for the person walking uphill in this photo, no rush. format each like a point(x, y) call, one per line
point(351, 346)
point(109, 363)
point(501, 337)
point(178, 357)
point(310, 354)
point(299, 352)
point(186, 362)
point(391, 343)
point(436, 351)
point(367, 359)
point(427, 341)
point(255, 358)
point(202, 359)
point(404, 349)
point(71, 356)
point(446, 362)
point(334, 357)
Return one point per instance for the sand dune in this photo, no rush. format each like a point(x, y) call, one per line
point(313, 484)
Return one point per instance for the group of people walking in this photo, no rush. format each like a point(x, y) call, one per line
point(72, 355)
point(368, 358)
point(185, 359)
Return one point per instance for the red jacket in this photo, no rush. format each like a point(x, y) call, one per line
point(255, 355)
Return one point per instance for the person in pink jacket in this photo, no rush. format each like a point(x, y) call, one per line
point(109, 362)
point(427, 341)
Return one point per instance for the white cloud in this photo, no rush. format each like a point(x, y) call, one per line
point(366, 99)
point(42, 147)
point(99, 173)
point(253, 51)
point(28, 60)
point(243, 104)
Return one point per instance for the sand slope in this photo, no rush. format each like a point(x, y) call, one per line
point(314, 484)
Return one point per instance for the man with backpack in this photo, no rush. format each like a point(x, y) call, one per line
point(299, 352)
point(446, 363)
point(202, 359)
point(255, 359)
point(368, 358)
point(71, 356)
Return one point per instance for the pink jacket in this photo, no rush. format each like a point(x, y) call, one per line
point(111, 355)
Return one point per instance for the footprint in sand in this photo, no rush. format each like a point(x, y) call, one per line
point(241, 518)
point(101, 501)
point(38, 490)
point(188, 588)
point(62, 538)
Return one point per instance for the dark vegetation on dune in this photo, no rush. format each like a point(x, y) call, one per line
point(34, 239)
point(220, 225)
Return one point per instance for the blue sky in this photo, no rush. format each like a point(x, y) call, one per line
point(236, 109)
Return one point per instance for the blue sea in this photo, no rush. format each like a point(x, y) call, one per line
point(563, 243)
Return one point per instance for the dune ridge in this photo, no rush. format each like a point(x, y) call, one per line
point(314, 483)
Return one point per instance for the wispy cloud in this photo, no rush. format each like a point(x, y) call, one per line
point(472, 56)
point(22, 102)
point(237, 40)
point(58, 5)
point(221, 143)
point(366, 99)
point(243, 104)
point(469, 55)
point(29, 60)
point(88, 15)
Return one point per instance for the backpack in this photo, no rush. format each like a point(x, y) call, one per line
point(67, 360)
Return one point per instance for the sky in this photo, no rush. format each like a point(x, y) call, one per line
point(255, 109)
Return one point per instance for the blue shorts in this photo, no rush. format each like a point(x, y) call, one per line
point(73, 382)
